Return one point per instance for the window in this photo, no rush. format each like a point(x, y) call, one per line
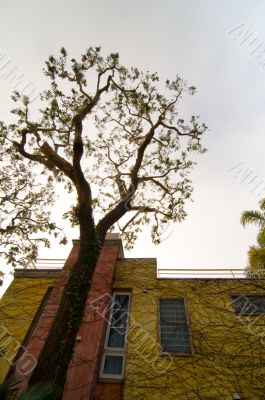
point(174, 330)
point(249, 304)
point(113, 359)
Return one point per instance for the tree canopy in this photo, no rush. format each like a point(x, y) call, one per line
point(114, 136)
point(103, 129)
point(256, 254)
point(24, 210)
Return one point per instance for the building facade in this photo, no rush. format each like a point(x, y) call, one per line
point(143, 337)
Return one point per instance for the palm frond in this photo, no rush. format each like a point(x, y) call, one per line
point(262, 204)
point(261, 237)
point(9, 389)
point(256, 258)
point(42, 391)
point(252, 217)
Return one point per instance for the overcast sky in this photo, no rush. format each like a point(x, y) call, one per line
point(212, 44)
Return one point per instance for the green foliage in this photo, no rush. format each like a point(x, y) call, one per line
point(252, 217)
point(9, 390)
point(256, 254)
point(25, 214)
point(41, 391)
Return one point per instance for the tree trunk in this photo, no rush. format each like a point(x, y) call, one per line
point(58, 349)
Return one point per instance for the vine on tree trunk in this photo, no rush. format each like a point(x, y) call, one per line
point(53, 364)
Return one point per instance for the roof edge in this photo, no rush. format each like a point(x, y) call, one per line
point(112, 239)
point(37, 273)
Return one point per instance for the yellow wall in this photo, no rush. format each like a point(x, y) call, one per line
point(229, 354)
point(17, 309)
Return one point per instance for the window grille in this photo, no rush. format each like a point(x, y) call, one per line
point(174, 330)
point(249, 304)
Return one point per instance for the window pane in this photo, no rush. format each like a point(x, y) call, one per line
point(121, 301)
point(174, 327)
point(249, 305)
point(117, 337)
point(113, 365)
point(119, 318)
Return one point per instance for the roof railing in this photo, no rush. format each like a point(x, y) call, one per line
point(174, 273)
point(49, 263)
point(214, 273)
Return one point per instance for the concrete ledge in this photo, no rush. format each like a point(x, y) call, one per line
point(111, 239)
point(37, 273)
point(141, 259)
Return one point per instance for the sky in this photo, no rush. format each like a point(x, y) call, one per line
point(218, 46)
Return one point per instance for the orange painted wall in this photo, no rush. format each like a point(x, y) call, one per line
point(83, 370)
point(109, 391)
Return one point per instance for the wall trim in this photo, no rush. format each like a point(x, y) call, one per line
point(37, 273)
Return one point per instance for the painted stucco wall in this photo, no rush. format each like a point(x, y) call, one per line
point(229, 350)
point(109, 391)
point(18, 307)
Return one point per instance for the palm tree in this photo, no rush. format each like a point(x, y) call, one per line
point(9, 390)
point(256, 254)
point(256, 258)
point(254, 217)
